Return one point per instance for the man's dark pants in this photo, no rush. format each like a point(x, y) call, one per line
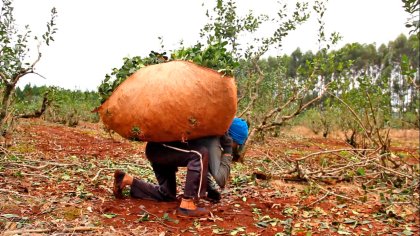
point(165, 160)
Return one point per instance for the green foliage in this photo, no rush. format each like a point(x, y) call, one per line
point(29, 99)
point(70, 107)
point(15, 44)
point(225, 25)
point(215, 56)
point(130, 65)
point(379, 84)
point(363, 106)
point(65, 106)
point(320, 120)
point(358, 96)
point(109, 215)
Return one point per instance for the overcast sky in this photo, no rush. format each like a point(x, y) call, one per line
point(94, 35)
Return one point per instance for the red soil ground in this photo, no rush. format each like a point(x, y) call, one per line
point(59, 177)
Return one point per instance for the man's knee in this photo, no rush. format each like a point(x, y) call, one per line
point(198, 159)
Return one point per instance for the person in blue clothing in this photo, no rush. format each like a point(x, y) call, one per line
point(222, 151)
point(205, 158)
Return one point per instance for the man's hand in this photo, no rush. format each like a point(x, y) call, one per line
point(213, 195)
point(237, 153)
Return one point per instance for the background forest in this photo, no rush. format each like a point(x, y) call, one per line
point(380, 72)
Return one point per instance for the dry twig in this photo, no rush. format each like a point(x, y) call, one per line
point(331, 151)
point(320, 199)
point(102, 169)
point(15, 192)
point(65, 230)
point(335, 194)
point(395, 172)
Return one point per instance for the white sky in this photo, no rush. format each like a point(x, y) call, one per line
point(94, 35)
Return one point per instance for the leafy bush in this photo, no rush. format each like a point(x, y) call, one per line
point(64, 106)
point(214, 56)
point(130, 65)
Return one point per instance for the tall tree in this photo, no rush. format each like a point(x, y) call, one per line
point(14, 53)
point(260, 100)
point(413, 7)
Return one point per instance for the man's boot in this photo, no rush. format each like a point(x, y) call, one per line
point(121, 179)
point(118, 183)
point(189, 209)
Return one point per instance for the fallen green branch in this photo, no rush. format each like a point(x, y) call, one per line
point(159, 219)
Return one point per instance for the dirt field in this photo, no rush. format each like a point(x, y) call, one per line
point(57, 180)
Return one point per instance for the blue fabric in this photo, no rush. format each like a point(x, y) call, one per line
point(238, 131)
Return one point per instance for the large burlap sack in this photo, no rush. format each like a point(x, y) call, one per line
point(172, 101)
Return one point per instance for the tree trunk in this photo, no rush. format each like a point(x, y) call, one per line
point(5, 105)
point(249, 141)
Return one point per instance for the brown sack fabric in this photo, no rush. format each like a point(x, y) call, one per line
point(172, 101)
